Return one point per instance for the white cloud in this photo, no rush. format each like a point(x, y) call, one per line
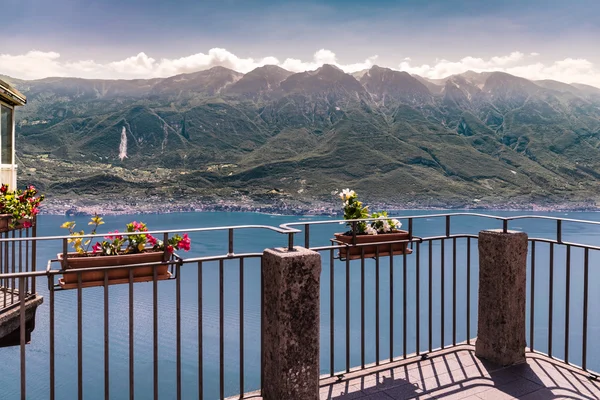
point(568, 70)
point(38, 64)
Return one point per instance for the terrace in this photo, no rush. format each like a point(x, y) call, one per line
point(463, 314)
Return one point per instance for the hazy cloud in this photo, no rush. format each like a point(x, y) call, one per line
point(568, 70)
point(39, 64)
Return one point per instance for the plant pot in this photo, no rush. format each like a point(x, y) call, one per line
point(5, 220)
point(115, 275)
point(354, 252)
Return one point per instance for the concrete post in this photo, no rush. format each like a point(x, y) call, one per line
point(502, 296)
point(290, 348)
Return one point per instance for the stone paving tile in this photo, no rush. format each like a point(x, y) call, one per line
point(512, 390)
point(343, 390)
point(540, 394)
point(458, 374)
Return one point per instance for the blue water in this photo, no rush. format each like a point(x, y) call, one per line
point(215, 243)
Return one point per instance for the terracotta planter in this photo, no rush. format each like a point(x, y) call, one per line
point(115, 275)
point(5, 220)
point(354, 252)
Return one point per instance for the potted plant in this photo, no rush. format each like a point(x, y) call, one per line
point(117, 249)
point(18, 208)
point(382, 231)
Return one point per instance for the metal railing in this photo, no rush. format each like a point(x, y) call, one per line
point(194, 278)
point(420, 326)
point(16, 257)
point(374, 310)
point(416, 291)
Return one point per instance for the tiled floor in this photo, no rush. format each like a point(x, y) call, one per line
point(458, 374)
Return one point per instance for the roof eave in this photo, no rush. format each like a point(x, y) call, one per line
point(11, 95)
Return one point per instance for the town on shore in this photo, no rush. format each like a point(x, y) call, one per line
point(74, 207)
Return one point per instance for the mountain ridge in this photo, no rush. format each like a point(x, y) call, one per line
point(357, 75)
point(480, 139)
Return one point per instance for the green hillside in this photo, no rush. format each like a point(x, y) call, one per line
point(489, 140)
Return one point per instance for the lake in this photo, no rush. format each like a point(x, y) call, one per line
point(215, 243)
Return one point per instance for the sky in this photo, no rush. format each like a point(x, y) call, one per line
point(129, 39)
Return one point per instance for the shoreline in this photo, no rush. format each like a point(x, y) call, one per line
point(79, 208)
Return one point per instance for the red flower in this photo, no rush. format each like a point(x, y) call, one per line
point(26, 224)
point(35, 211)
point(151, 239)
point(4, 188)
point(170, 249)
point(96, 247)
point(184, 244)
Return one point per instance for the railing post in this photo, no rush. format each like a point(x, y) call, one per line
point(291, 324)
point(502, 296)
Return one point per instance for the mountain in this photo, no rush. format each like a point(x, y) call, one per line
point(558, 86)
point(210, 82)
point(433, 88)
point(587, 89)
point(386, 85)
point(259, 82)
point(326, 79)
point(469, 140)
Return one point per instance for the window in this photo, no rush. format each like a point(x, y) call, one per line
point(6, 134)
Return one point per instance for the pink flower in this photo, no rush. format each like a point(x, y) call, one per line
point(139, 226)
point(151, 239)
point(184, 244)
point(96, 247)
point(35, 211)
point(26, 224)
point(170, 249)
point(114, 237)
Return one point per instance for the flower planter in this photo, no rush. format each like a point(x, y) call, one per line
point(115, 275)
point(354, 252)
point(5, 220)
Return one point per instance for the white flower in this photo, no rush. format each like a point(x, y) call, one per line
point(396, 224)
point(386, 226)
point(370, 230)
point(346, 194)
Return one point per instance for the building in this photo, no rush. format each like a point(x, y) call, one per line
point(9, 99)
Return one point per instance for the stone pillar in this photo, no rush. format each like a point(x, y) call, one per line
point(502, 296)
point(290, 348)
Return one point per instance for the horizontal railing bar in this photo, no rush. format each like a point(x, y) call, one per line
point(187, 230)
point(578, 245)
point(455, 236)
point(415, 239)
point(496, 217)
point(344, 221)
point(218, 258)
point(343, 244)
point(170, 262)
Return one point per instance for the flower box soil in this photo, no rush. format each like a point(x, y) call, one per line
point(362, 241)
point(115, 275)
